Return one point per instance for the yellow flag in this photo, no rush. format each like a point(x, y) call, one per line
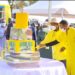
point(21, 20)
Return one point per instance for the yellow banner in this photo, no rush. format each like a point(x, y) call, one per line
point(19, 46)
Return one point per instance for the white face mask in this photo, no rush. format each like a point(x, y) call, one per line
point(29, 37)
point(45, 29)
point(64, 30)
point(52, 27)
point(36, 25)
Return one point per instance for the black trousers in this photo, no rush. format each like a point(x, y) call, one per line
point(7, 37)
point(64, 62)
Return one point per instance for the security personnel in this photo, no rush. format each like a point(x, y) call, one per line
point(69, 41)
point(59, 51)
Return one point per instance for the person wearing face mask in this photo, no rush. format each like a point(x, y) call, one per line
point(68, 38)
point(58, 49)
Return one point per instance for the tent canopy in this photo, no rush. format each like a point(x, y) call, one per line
point(4, 2)
point(40, 7)
point(58, 8)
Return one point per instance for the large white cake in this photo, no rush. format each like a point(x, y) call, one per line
point(27, 54)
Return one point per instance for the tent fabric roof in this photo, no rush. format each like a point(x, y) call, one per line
point(37, 5)
point(44, 5)
point(39, 11)
point(41, 8)
point(4, 2)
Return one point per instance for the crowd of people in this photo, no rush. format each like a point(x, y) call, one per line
point(4, 33)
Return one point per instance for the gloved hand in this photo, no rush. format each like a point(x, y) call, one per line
point(40, 46)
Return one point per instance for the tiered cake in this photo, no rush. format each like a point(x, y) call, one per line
point(21, 53)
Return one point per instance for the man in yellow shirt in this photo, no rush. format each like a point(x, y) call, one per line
point(68, 38)
point(58, 49)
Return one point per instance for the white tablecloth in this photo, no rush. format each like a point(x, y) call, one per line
point(46, 67)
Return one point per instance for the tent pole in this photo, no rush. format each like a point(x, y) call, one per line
point(62, 13)
point(49, 11)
